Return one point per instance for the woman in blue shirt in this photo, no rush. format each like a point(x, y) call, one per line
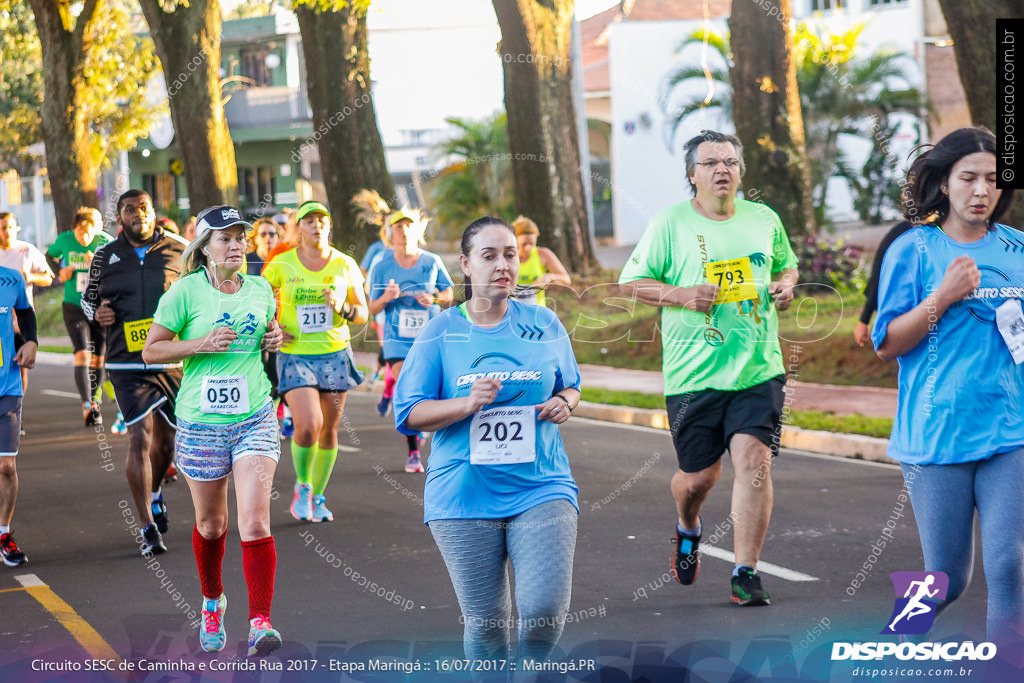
point(945, 290)
point(494, 378)
point(409, 285)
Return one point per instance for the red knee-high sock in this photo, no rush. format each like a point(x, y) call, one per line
point(209, 558)
point(259, 561)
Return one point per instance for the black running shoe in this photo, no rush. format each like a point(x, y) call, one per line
point(685, 558)
point(152, 541)
point(159, 508)
point(747, 590)
point(94, 417)
point(11, 553)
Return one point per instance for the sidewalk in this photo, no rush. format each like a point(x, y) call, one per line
point(842, 400)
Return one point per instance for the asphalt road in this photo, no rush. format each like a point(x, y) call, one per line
point(371, 589)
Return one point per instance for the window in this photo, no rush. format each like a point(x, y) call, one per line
point(162, 187)
point(257, 186)
point(824, 5)
point(254, 65)
point(886, 3)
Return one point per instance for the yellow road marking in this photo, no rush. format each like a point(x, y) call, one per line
point(85, 634)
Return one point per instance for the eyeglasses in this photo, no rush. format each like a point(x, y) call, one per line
point(713, 163)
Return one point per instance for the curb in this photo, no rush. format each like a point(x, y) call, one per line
point(855, 446)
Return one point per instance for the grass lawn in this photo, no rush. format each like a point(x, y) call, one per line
point(805, 419)
point(607, 328)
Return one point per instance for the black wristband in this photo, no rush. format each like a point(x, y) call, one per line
point(348, 311)
point(567, 404)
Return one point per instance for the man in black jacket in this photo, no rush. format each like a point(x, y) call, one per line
point(127, 277)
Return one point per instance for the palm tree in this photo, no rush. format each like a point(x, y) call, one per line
point(478, 179)
point(840, 94)
point(713, 70)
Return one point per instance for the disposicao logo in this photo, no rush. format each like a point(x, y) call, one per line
point(918, 596)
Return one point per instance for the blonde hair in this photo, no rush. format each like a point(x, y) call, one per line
point(524, 226)
point(193, 258)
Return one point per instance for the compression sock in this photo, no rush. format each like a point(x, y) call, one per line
point(322, 466)
point(82, 382)
point(95, 384)
point(259, 563)
point(302, 456)
point(209, 559)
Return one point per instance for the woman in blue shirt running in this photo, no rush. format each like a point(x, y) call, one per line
point(494, 378)
point(949, 302)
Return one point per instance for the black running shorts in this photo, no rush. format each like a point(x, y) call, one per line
point(139, 392)
point(703, 422)
point(10, 425)
point(86, 335)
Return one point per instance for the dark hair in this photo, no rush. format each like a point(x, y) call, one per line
point(931, 170)
point(467, 242)
point(131, 194)
point(690, 151)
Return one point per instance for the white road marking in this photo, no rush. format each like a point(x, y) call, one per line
point(762, 566)
point(29, 580)
point(60, 394)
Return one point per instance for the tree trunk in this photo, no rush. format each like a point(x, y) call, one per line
point(972, 25)
point(542, 131)
point(334, 44)
point(766, 112)
point(188, 43)
point(69, 162)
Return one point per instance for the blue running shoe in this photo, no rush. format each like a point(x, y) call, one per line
point(263, 638)
point(212, 635)
point(301, 507)
point(320, 511)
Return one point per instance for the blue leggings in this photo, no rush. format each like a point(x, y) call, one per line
point(944, 499)
point(541, 543)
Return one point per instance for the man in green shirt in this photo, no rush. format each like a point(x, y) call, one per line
point(73, 252)
point(709, 263)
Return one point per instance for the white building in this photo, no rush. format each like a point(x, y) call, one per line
point(640, 39)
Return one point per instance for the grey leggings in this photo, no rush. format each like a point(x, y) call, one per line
point(541, 543)
point(944, 499)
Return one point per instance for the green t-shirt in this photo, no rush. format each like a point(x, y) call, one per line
point(215, 381)
point(304, 314)
point(70, 252)
point(736, 344)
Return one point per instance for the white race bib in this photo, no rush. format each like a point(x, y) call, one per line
point(1010, 320)
point(225, 395)
point(314, 318)
point(81, 278)
point(411, 322)
point(503, 436)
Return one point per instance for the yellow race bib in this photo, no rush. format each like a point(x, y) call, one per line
point(735, 277)
point(135, 333)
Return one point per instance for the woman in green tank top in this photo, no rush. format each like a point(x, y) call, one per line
point(539, 267)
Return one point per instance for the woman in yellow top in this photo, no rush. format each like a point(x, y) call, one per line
point(320, 291)
point(539, 267)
